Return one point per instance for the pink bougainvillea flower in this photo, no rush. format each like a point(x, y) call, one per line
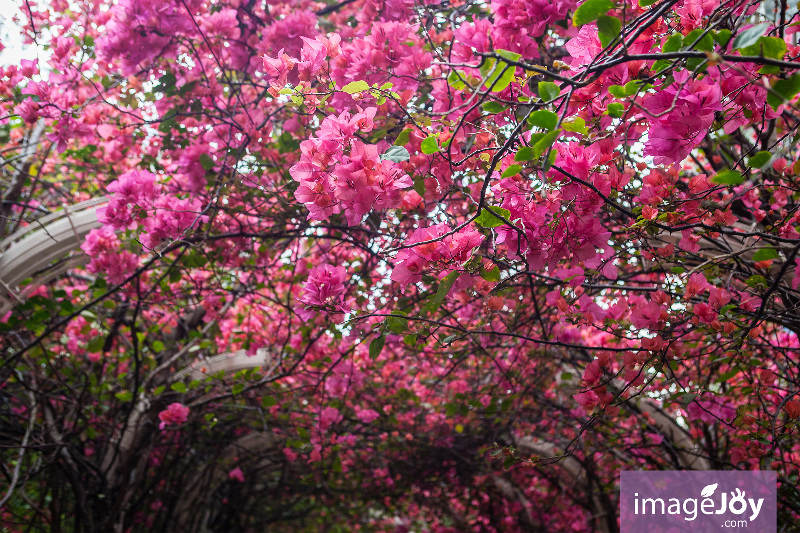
point(174, 415)
point(236, 475)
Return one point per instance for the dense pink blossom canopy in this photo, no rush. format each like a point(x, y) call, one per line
point(394, 265)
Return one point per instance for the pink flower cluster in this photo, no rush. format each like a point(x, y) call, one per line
point(236, 475)
point(323, 291)
point(141, 30)
point(328, 417)
point(648, 314)
point(710, 409)
point(444, 253)
point(530, 17)
point(339, 173)
point(680, 116)
point(68, 128)
point(287, 33)
point(481, 36)
point(564, 225)
point(744, 102)
point(103, 246)
point(174, 415)
point(392, 51)
point(313, 57)
point(171, 218)
point(708, 313)
point(193, 173)
point(133, 190)
point(136, 196)
point(343, 379)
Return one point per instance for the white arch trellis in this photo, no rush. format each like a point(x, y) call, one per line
point(32, 251)
point(229, 363)
point(37, 252)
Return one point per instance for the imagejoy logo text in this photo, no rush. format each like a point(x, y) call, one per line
point(697, 502)
point(708, 506)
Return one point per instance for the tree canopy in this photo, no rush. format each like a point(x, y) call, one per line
point(394, 265)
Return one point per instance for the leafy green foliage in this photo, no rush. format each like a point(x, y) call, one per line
point(488, 218)
point(591, 10)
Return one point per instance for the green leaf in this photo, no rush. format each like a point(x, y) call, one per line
point(548, 91)
point(410, 340)
point(501, 78)
point(590, 10)
point(186, 87)
point(268, 401)
point(356, 87)
point(705, 42)
point(403, 138)
point(397, 325)
point(544, 144)
point(756, 281)
point(512, 170)
point(491, 275)
point(166, 82)
point(158, 346)
point(765, 253)
point(697, 64)
point(524, 154)
point(631, 88)
point(206, 161)
point(645, 3)
point(487, 66)
point(441, 292)
point(178, 387)
point(750, 36)
point(728, 177)
point(575, 124)
point(376, 346)
point(513, 56)
point(617, 91)
point(124, 396)
point(772, 47)
point(494, 107)
point(456, 79)
point(785, 89)
point(396, 154)
point(687, 397)
point(430, 145)
point(419, 185)
point(760, 159)
point(96, 344)
point(487, 218)
point(544, 119)
point(608, 29)
point(287, 143)
point(661, 64)
point(727, 375)
point(615, 109)
point(673, 43)
point(721, 37)
point(237, 389)
point(550, 160)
